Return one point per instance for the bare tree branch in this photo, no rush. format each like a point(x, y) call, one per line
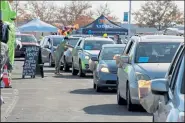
point(158, 14)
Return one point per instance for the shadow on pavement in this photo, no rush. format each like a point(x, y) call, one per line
point(91, 91)
point(113, 109)
point(72, 77)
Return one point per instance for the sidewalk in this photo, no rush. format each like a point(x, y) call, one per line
point(10, 97)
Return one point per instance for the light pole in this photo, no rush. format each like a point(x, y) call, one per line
point(129, 26)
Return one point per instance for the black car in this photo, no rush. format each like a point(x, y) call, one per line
point(26, 41)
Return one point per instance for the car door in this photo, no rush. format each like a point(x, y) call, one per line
point(75, 54)
point(80, 53)
point(175, 76)
point(43, 43)
point(123, 71)
point(97, 64)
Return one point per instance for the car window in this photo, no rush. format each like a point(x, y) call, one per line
point(57, 41)
point(175, 73)
point(182, 86)
point(79, 43)
point(155, 52)
point(174, 61)
point(108, 53)
point(95, 44)
point(27, 38)
point(129, 48)
point(72, 41)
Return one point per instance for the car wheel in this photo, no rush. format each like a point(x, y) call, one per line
point(120, 100)
point(50, 62)
point(130, 106)
point(94, 85)
point(81, 74)
point(66, 67)
point(98, 89)
point(74, 71)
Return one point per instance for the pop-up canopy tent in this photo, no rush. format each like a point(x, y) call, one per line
point(37, 25)
point(102, 25)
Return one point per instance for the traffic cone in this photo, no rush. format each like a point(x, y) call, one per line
point(5, 79)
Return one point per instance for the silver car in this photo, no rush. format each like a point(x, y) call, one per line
point(171, 91)
point(145, 58)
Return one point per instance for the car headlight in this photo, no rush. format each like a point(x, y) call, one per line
point(105, 70)
point(87, 57)
point(140, 76)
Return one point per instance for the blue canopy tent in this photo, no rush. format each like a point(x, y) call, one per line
point(102, 25)
point(37, 25)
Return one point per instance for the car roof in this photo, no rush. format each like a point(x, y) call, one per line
point(158, 38)
point(114, 45)
point(97, 38)
point(24, 34)
point(54, 36)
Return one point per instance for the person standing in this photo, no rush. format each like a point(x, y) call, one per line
point(59, 53)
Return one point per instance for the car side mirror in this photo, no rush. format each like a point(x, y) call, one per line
point(159, 86)
point(79, 48)
point(65, 38)
point(94, 58)
point(125, 59)
point(46, 46)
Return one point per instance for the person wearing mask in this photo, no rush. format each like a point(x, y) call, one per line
point(118, 40)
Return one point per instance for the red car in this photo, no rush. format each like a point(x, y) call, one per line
point(26, 40)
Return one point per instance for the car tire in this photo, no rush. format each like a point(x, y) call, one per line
point(74, 71)
point(94, 85)
point(66, 67)
point(50, 62)
point(130, 106)
point(120, 100)
point(81, 74)
point(98, 89)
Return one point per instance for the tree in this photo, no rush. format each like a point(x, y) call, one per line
point(105, 10)
point(70, 12)
point(44, 10)
point(157, 14)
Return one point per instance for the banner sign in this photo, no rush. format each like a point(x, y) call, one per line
point(125, 17)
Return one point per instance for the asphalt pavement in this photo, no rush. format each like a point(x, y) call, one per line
point(62, 98)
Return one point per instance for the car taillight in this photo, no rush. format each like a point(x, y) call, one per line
point(181, 117)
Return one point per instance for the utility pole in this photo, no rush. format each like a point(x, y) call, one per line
point(16, 4)
point(129, 24)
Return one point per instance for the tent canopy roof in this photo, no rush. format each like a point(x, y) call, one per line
point(36, 25)
point(104, 25)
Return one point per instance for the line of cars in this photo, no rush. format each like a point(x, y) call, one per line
point(145, 58)
point(122, 66)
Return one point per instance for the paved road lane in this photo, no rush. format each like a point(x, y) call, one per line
point(65, 98)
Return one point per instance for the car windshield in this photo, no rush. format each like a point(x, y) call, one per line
point(95, 45)
point(109, 52)
point(57, 41)
point(155, 52)
point(26, 38)
point(72, 41)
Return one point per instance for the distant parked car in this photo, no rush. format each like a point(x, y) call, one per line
point(83, 51)
point(144, 58)
point(48, 47)
point(26, 40)
point(67, 57)
point(105, 71)
point(171, 90)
